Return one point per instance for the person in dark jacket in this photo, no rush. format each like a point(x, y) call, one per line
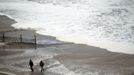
point(42, 65)
point(31, 65)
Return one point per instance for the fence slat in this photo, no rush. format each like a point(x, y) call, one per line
point(20, 38)
point(35, 41)
point(3, 37)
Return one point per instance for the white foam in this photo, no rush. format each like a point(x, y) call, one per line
point(1, 44)
point(55, 67)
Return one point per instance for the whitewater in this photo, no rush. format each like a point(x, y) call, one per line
point(107, 24)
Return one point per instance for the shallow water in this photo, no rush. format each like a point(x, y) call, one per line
point(17, 63)
point(74, 60)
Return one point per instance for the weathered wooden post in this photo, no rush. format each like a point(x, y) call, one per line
point(35, 43)
point(20, 38)
point(3, 37)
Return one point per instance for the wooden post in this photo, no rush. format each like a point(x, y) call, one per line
point(35, 43)
point(3, 37)
point(20, 38)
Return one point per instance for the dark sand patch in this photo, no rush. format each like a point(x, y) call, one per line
point(3, 74)
point(5, 23)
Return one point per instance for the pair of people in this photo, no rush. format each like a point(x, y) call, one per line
point(31, 64)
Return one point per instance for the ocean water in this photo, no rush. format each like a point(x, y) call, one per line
point(107, 24)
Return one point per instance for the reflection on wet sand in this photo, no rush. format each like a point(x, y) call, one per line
point(37, 73)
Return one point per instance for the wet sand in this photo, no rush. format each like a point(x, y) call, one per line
point(79, 59)
point(60, 59)
point(3, 74)
point(87, 60)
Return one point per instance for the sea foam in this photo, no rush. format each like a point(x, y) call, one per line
point(108, 25)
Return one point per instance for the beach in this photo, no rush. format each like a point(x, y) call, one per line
point(60, 59)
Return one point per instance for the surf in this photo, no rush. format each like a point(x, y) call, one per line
point(92, 25)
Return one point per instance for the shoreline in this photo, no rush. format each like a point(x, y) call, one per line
point(12, 36)
point(126, 49)
point(74, 57)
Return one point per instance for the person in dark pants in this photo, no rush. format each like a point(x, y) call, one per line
point(31, 65)
point(42, 65)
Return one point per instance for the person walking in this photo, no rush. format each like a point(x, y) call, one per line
point(42, 65)
point(31, 65)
